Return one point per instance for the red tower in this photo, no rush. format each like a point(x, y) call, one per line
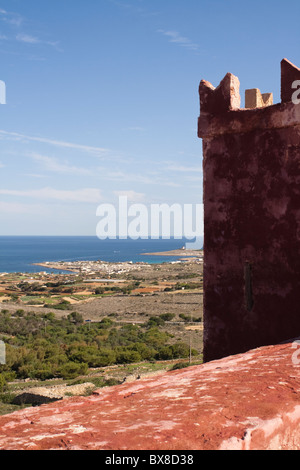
point(251, 166)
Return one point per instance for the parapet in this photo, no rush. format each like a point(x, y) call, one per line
point(221, 112)
point(244, 402)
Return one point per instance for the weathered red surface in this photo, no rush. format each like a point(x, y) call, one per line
point(219, 100)
point(251, 167)
point(289, 73)
point(248, 401)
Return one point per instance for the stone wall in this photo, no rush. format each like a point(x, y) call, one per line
point(251, 165)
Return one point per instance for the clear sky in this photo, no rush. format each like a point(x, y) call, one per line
point(102, 99)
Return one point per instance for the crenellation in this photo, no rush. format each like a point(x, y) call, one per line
point(289, 74)
point(267, 99)
point(255, 99)
point(224, 98)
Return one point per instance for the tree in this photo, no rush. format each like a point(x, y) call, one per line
point(127, 356)
point(76, 318)
point(71, 370)
point(99, 290)
point(2, 382)
point(167, 316)
point(156, 321)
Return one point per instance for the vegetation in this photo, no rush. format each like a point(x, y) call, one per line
point(189, 318)
point(116, 289)
point(180, 365)
point(183, 286)
point(41, 346)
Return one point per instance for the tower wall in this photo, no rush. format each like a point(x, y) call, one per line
point(251, 166)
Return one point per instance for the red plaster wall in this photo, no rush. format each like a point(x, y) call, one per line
point(251, 166)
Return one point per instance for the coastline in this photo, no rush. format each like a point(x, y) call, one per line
point(54, 265)
point(93, 267)
point(181, 252)
point(120, 266)
point(26, 254)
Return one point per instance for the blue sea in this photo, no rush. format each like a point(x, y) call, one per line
point(17, 254)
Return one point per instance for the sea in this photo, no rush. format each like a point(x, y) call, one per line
point(18, 254)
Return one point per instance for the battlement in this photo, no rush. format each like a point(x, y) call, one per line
point(255, 99)
point(220, 111)
point(226, 97)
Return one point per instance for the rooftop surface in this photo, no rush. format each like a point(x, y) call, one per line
point(247, 401)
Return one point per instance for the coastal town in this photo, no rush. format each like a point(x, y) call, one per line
point(84, 284)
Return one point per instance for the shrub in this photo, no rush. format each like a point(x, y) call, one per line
point(71, 370)
point(146, 353)
point(44, 374)
point(99, 290)
point(174, 351)
point(127, 290)
point(106, 322)
point(155, 321)
point(186, 318)
point(19, 313)
point(180, 365)
point(167, 316)
point(64, 305)
point(50, 316)
point(7, 397)
point(128, 357)
point(105, 357)
point(155, 338)
point(75, 318)
point(2, 382)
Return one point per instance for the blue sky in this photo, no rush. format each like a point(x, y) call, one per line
point(102, 99)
